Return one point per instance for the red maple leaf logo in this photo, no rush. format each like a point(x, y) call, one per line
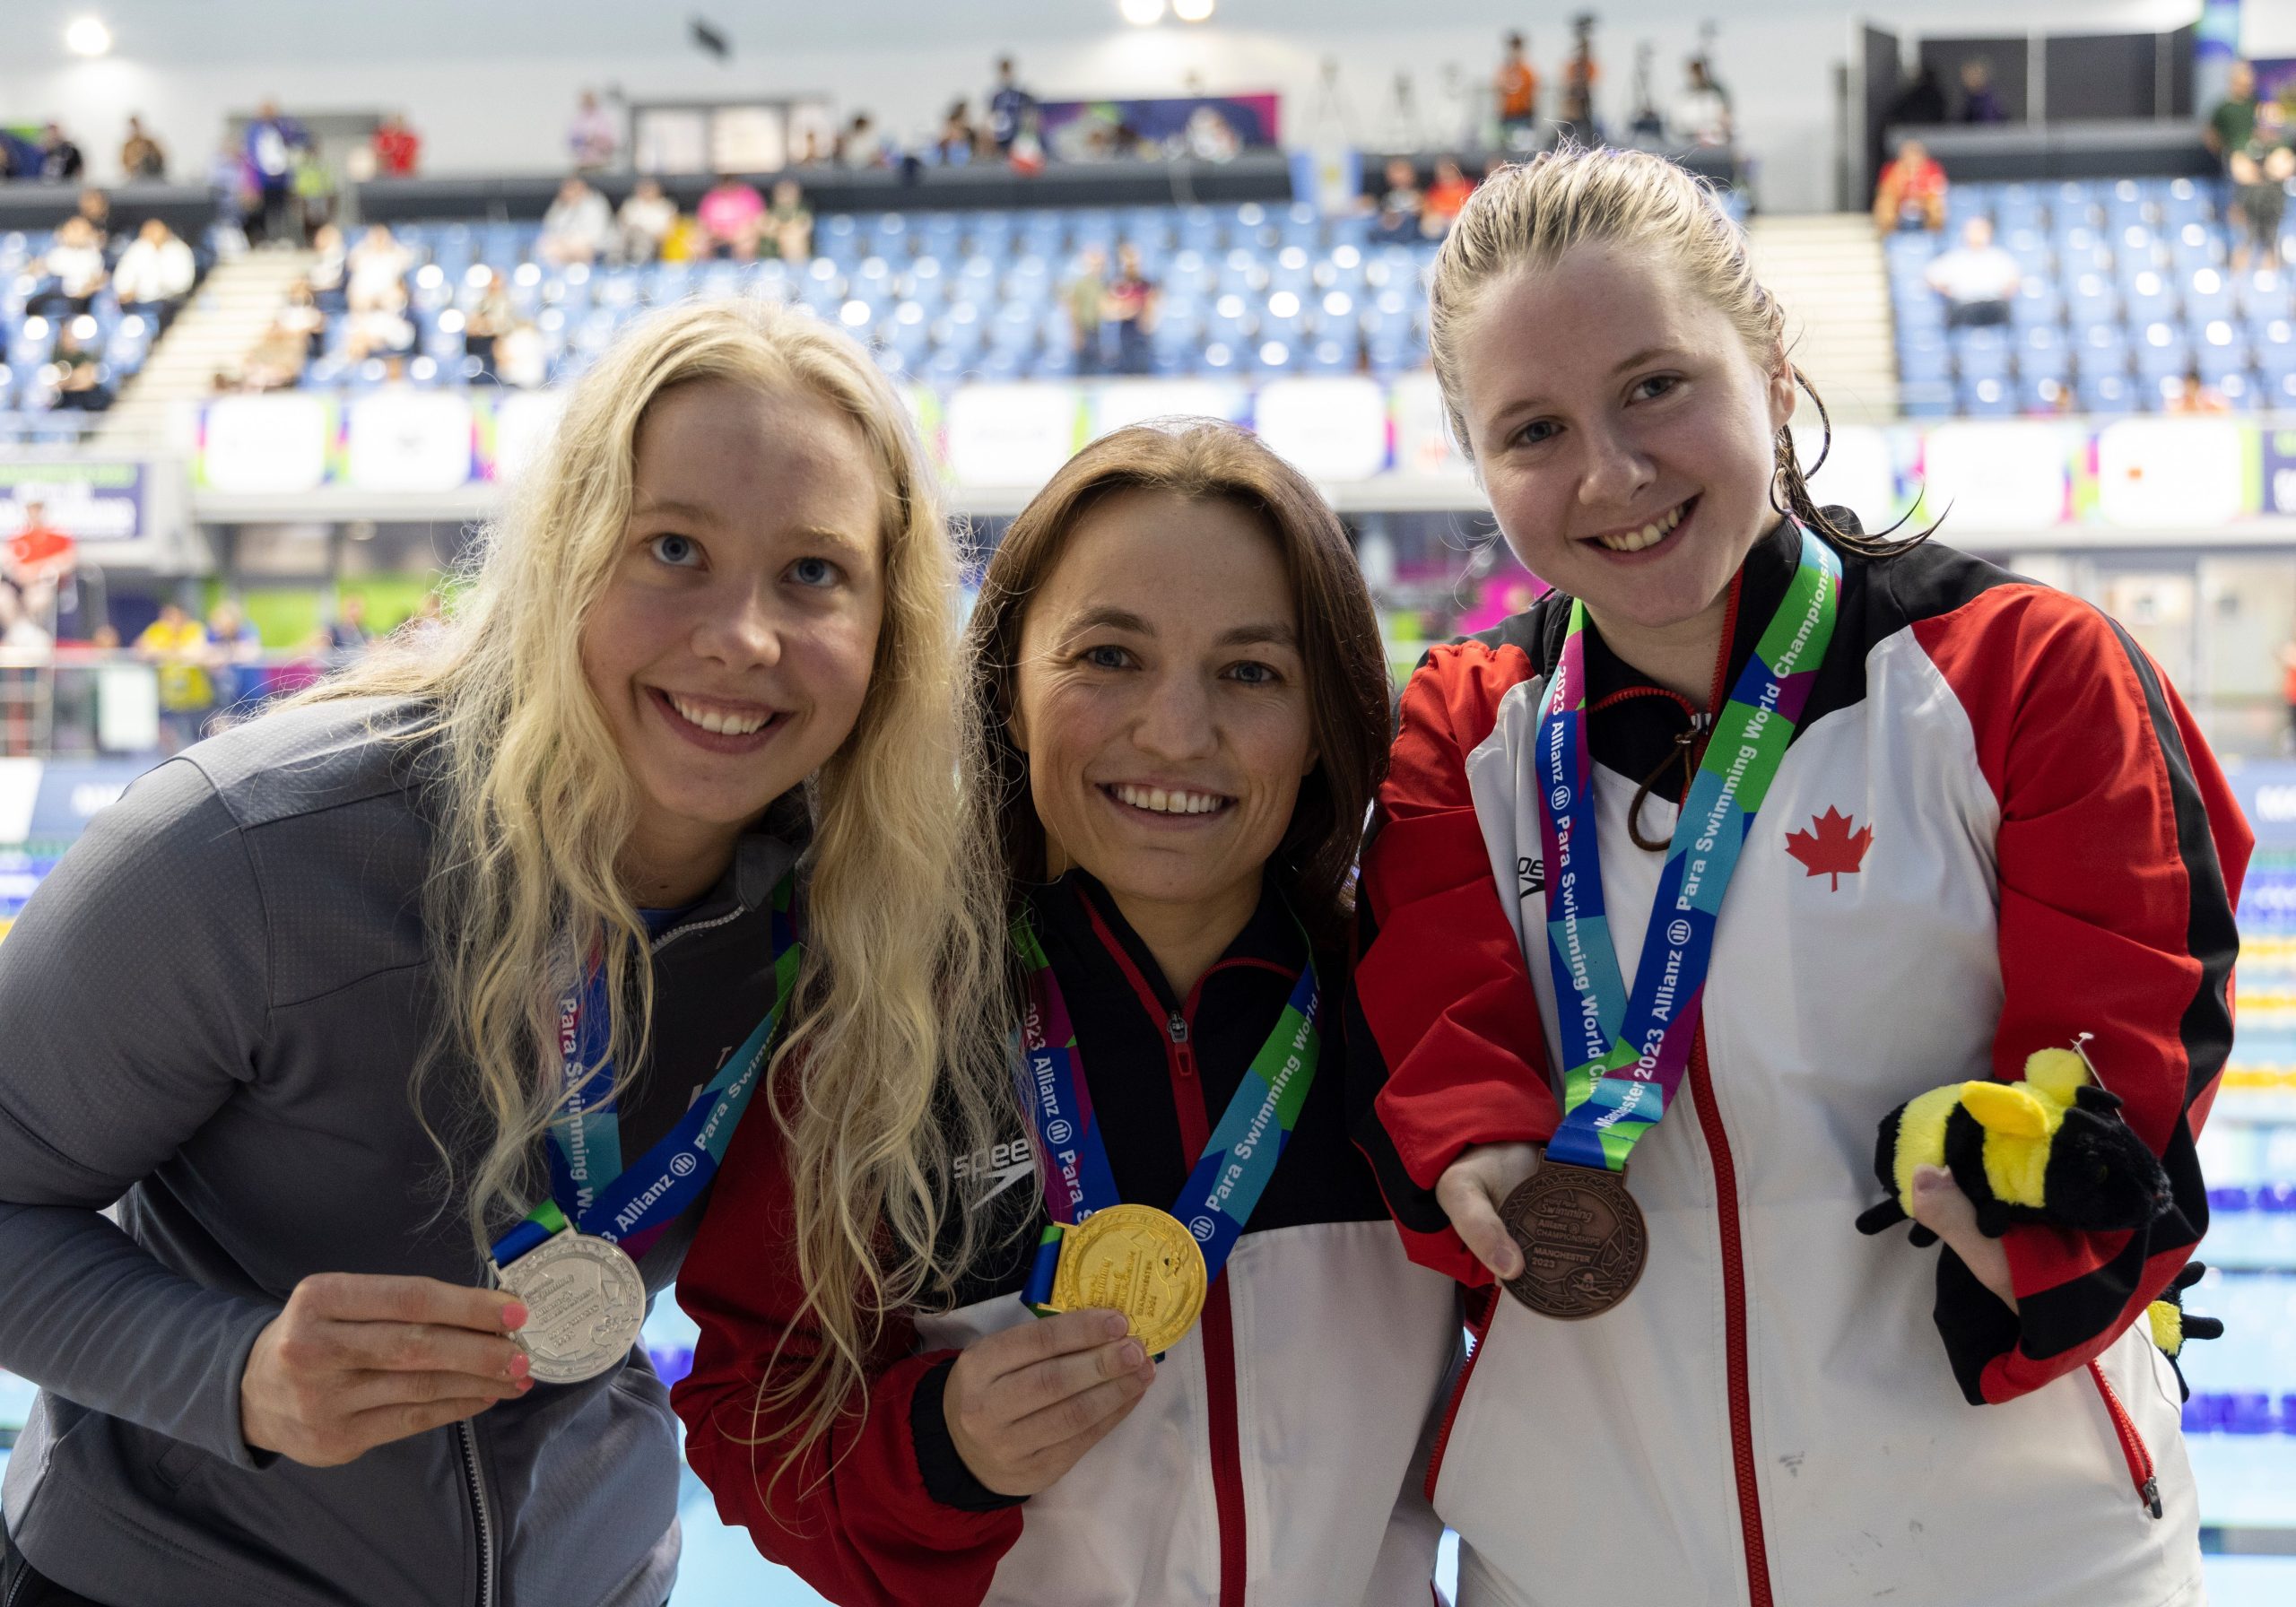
point(1835, 849)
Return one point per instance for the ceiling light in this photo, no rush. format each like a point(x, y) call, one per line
point(1192, 11)
point(87, 36)
point(1142, 13)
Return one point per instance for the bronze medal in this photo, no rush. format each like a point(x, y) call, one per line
point(1582, 1238)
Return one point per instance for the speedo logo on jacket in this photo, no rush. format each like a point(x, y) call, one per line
point(997, 1166)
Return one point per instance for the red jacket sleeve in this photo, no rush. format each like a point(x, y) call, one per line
point(1446, 1047)
point(855, 1516)
point(2120, 852)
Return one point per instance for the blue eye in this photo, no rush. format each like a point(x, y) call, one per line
point(1663, 382)
point(1252, 673)
point(1529, 434)
point(1104, 657)
point(814, 572)
point(679, 552)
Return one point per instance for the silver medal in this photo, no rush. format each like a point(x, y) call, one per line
point(585, 1303)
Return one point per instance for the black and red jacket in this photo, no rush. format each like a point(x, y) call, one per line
point(1996, 828)
point(1272, 1462)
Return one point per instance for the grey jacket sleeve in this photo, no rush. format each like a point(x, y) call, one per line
point(133, 996)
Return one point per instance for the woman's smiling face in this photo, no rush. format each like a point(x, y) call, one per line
point(731, 650)
point(1161, 698)
point(1623, 431)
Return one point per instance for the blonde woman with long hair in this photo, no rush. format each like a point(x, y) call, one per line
point(408, 1023)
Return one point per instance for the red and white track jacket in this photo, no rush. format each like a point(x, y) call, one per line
point(1996, 828)
point(1277, 1459)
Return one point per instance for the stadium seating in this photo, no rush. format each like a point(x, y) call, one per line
point(2128, 290)
point(28, 341)
point(1247, 290)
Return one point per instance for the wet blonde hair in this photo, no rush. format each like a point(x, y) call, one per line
point(1528, 216)
point(891, 1062)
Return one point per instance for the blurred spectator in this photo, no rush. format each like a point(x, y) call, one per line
point(1646, 130)
point(381, 329)
point(1082, 297)
point(1921, 102)
point(488, 319)
point(861, 145)
point(1702, 114)
point(1009, 107)
point(314, 183)
point(348, 633)
point(579, 226)
point(235, 653)
point(1911, 191)
point(178, 645)
point(397, 148)
point(237, 195)
point(70, 273)
point(1515, 89)
point(378, 267)
point(141, 159)
point(1977, 279)
point(156, 274)
point(327, 272)
point(275, 361)
point(305, 316)
point(954, 147)
point(593, 137)
point(788, 226)
point(1399, 205)
point(2191, 395)
point(730, 214)
point(2259, 176)
point(78, 369)
point(272, 141)
point(521, 361)
point(1580, 73)
point(1980, 101)
point(60, 161)
point(2233, 122)
point(1130, 307)
point(95, 206)
point(1445, 197)
point(36, 562)
point(644, 221)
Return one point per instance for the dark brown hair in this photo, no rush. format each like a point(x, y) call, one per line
point(1203, 461)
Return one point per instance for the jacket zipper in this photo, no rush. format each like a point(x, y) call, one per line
point(1480, 1327)
point(2133, 1448)
point(481, 1514)
point(17, 1589)
point(1733, 1318)
point(1221, 1430)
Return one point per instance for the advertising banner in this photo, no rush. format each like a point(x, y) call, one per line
point(94, 502)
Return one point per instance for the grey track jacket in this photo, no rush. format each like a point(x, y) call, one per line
point(208, 1016)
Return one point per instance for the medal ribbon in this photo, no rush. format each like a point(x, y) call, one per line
point(1627, 1052)
point(1238, 1160)
point(634, 1208)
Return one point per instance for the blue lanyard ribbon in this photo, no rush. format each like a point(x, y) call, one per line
point(1627, 1053)
point(633, 1206)
point(1239, 1159)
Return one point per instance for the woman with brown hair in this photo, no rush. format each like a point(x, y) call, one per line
point(1187, 707)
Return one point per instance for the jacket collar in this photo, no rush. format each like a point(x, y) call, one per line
point(1073, 913)
point(762, 856)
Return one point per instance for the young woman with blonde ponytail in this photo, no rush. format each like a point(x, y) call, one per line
point(1959, 819)
point(508, 922)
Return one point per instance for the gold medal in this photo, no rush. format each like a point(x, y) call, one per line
point(1137, 1260)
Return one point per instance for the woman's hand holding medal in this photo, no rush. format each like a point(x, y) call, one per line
point(1471, 1189)
point(355, 1362)
point(1024, 1404)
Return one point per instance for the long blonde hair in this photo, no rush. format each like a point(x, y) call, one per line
point(892, 1060)
point(1528, 214)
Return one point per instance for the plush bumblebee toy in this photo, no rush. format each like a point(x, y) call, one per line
point(2171, 1325)
point(2051, 1149)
